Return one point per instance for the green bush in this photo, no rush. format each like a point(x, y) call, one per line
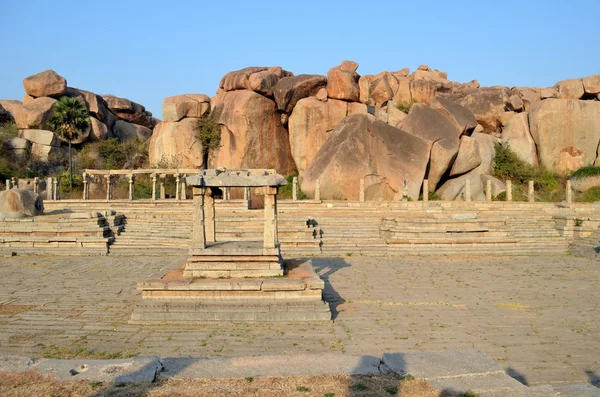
point(589, 170)
point(286, 192)
point(507, 165)
point(589, 196)
point(208, 132)
point(116, 154)
point(405, 106)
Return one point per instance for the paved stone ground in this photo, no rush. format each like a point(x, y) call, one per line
point(539, 317)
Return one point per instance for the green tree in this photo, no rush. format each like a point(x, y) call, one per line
point(70, 118)
point(208, 132)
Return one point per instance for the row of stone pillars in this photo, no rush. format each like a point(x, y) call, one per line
point(52, 186)
point(466, 191)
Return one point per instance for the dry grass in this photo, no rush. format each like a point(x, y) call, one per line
point(11, 310)
point(33, 384)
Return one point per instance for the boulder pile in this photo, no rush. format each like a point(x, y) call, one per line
point(110, 116)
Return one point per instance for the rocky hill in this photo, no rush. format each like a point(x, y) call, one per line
point(390, 129)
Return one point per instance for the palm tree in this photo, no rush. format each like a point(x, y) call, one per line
point(70, 118)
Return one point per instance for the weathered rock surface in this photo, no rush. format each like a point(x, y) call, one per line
point(175, 143)
point(528, 97)
point(98, 130)
point(342, 82)
point(516, 134)
point(42, 137)
point(570, 89)
point(289, 90)
point(96, 105)
point(33, 115)
point(177, 107)
point(430, 125)
point(239, 79)
point(21, 201)
point(309, 126)
point(130, 111)
point(360, 148)
point(468, 156)
point(566, 132)
point(487, 104)
point(19, 147)
point(459, 115)
point(263, 82)
point(252, 135)
point(45, 84)
point(591, 84)
point(124, 131)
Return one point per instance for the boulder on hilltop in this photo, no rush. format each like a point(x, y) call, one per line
point(178, 107)
point(130, 111)
point(289, 90)
point(47, 83)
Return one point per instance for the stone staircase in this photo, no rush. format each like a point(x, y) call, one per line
point(58, 233)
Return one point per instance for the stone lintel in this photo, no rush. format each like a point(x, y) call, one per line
point(236, 178)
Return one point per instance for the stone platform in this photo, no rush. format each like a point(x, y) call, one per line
point(296, 295)
point(234, 259)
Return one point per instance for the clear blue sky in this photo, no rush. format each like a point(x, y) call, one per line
point(148, 50)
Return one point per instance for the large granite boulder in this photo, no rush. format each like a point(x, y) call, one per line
point(252, 135)
point(175, 143)
point(124, 131)
point(98, 131)
point(381, 88)
point(43, 143)
point(423, 91)
point(591, 84)
point(18, 203)
point(19, 148)
point(239, 79)
point(381, 154)
point(468, 156)
point(570, 89)
point(264, 81)
point(517, 135)
point(130, 111)
point(310, 124)
point(289, 90)
point(177, 107)
point(523, 98)
point(33, 115)
point(460, 116)
point(46, 83)
point(566, 132)
point(96, 105)
point(430, 125)
point(342, 82)
point(487, 104)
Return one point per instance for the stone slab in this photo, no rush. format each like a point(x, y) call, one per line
point(577, 390)
point(442, 364)
point(137, 369)
point(271, 365)
point(535, 391)
point(10, 363)
point(477, 384)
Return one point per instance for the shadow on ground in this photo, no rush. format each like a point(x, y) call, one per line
point(325, 267)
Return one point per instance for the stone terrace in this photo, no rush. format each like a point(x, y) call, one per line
point(538, 316)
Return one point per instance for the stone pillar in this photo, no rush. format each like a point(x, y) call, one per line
point(8, 182)
point(226, 194)
point(183, 188)
point(177, 187)
point(531, 193)
point(569, 192)
point(270, 229)
point(56, 187)
point(162, 186)
point(361, 192)
point(508, 190)
point(14, 182)
point(425, 190)
point(49, 189)
point(108, 187)
point(295, 188)
point(467, 190)
point(36, 185)
point(488, 190)
point(248, 197)
point(131, 178)
point(154, 187)
point(84, 180)
point(198, 237)
point(318, 190)
point(209, 216)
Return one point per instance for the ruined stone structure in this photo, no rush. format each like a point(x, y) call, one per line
point(234, 280)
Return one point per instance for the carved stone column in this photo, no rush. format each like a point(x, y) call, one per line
point(569, 192)
point(56, 188)
point(531, 192)
point(198, 236)
point(295, 188)
point(177, 187)
point(162, 186)
point(84, 179)
point(49, 189)
point(154, 187)
point(131, 179)
point(318, 190)
point(8, 183)
point(36, 185)
point(108, 187)
point(209, 216)
point(270, 227)
point(425, 190)
point(508, 190)
point(488, 190)
point(183, 188)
